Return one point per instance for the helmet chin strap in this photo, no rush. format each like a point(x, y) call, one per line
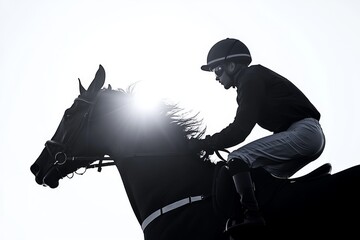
point(234, 74)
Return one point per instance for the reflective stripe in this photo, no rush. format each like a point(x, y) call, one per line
point(230, 56)
point(168, 208)
point(150, 218)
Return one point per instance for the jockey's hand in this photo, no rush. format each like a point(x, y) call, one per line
point(197, 145)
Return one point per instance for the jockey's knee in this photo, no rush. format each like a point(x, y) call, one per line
point(237, 165)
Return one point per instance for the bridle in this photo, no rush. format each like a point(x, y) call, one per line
point(62, 156)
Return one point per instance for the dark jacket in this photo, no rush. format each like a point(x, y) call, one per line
point(264, 98)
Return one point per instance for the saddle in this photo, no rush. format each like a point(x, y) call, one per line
point(321, 171)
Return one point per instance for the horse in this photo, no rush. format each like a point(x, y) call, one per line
point(176, 193)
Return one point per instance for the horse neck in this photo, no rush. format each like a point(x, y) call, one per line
point(153, 138)
point(153, 182)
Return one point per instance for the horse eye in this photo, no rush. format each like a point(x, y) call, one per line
point(66, 117)
point(67, 114)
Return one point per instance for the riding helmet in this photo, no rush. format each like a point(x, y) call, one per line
point(227, 49)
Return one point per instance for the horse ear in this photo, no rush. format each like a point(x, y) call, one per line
point(98, 81)
point(109, 87)
point(82, 89)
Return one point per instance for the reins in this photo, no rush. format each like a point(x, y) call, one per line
point(219, 155)
point(217, 152)
point(105, 164)
point(111, 162)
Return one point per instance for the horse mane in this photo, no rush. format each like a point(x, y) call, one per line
point(186, 123)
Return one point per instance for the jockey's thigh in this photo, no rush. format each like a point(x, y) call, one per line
point(283, 154)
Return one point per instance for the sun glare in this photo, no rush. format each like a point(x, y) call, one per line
point(147, 97)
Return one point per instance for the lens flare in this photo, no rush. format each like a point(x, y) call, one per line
point(147, 97)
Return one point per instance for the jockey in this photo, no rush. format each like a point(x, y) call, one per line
point(275, 104)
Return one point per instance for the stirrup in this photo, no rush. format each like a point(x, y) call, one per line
point(236, 229)
point(235, 225)
point(230, 225)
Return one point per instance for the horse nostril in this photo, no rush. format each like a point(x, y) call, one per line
point(35, 169)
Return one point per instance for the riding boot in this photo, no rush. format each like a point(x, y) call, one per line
point(240, 172)
point(244, 187)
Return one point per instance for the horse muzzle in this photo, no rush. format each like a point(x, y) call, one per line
point(45, 172)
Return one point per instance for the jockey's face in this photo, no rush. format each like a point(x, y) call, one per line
point(224, 74)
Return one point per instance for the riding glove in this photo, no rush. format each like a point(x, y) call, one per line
point(196, 145)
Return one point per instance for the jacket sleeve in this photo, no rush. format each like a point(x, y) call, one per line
point(250, 98)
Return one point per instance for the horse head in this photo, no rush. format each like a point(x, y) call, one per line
point(71, 137)
point(103, 121)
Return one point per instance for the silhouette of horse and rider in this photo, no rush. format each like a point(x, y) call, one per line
point(176, 193)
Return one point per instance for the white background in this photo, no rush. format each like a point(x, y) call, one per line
point(46, 45)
